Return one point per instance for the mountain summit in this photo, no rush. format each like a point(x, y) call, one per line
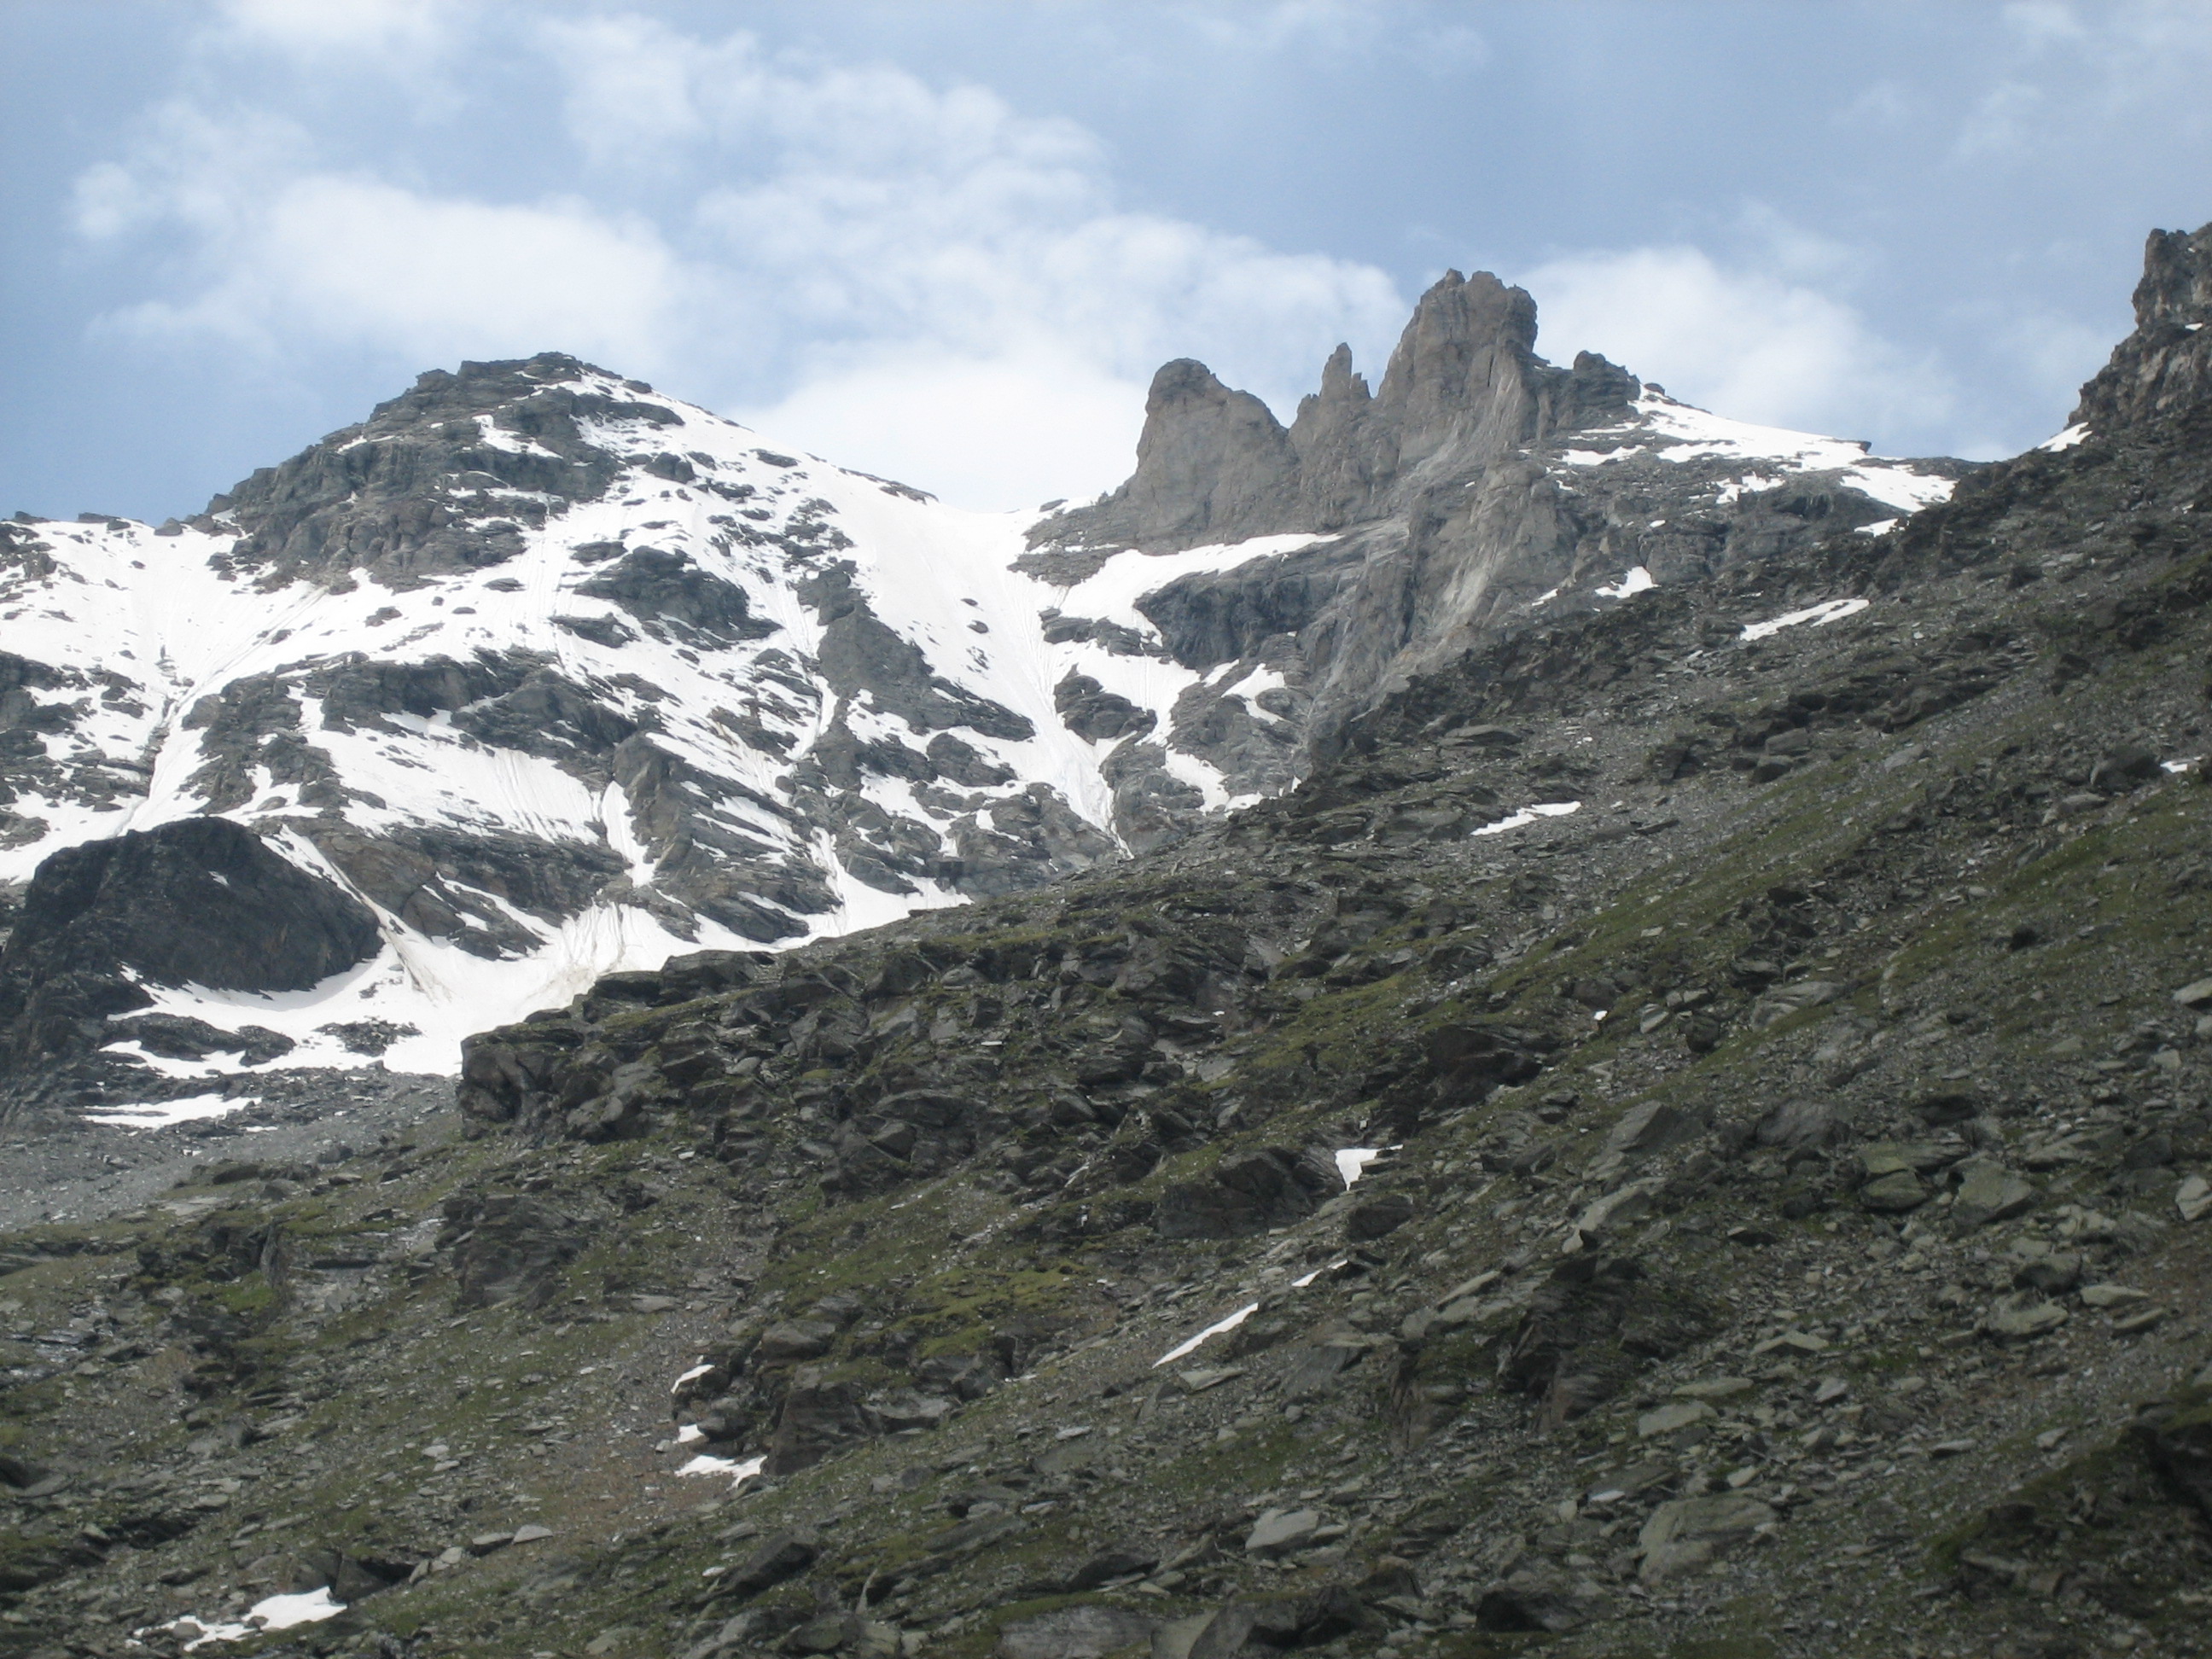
point(552, 676)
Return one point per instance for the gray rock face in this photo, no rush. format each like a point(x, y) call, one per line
point(2165, 365)
point(201, 901)
point(1478, 484)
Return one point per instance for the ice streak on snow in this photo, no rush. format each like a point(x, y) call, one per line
point(1215, 1329)
point(1817, 616)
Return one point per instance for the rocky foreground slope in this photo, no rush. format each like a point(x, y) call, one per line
point(1766, 1020)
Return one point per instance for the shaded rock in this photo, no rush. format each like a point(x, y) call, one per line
point(2176, 1435)
point(202, 901)
point(1894, 1194)
point(1797, 1124)
point(818, 1416)
point(1536, 1598)
point(1378, 1216)
point(783, 1556)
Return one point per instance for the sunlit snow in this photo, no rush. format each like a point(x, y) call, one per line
point(160, 1114)
point(1529, 814)
point(274, 1612)
point(1352, 1161)
point(1814, 616)
point(160, 610)
point(1213, 1330)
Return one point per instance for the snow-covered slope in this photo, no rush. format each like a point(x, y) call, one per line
point(732, 698)
point(559, 676)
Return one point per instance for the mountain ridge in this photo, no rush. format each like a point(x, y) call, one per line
point(1688, 1133)
point(558, 676)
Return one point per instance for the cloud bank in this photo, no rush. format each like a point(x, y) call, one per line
point(910, 276)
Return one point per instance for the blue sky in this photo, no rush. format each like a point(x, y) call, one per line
point(950, 242)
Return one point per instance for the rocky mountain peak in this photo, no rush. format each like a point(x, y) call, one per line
point(2167, 363)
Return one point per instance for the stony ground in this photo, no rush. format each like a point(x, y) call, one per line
point(1792, 1237)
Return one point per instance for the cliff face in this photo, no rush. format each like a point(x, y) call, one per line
point(1478, 485)
point(1463, 389)
point(2165, 365)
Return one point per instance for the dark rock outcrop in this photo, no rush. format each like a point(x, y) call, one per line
point(198, 901)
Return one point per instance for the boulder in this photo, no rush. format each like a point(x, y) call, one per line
point(1089, 1632)
point(1894, 1194)
point(2021, 1316)
point(1377, 1215)
point(1279, 1531)
point(1988, 1192)
point(1541, 1598)
point(1687, 1532)
point(1796, 1124)
point(785, 1555)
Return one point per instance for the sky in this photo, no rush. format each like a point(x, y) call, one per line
point(948, 241)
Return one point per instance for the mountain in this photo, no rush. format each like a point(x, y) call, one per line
point(1688, 1132)
point(538, 675)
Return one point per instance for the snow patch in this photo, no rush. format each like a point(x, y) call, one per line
point(1818, 615)
point(275, 1613)
point(1529, 814)
point(161, 1113)
point(1637, 579)
point(1352, 1161)
point(2078, 433)
point(1213, 1330)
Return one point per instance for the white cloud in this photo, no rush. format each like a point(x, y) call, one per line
point(275, 252)
point(336, 28)
point(827, 237)
point(996, 433)
point(2070, 73)
point(1745, 342)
